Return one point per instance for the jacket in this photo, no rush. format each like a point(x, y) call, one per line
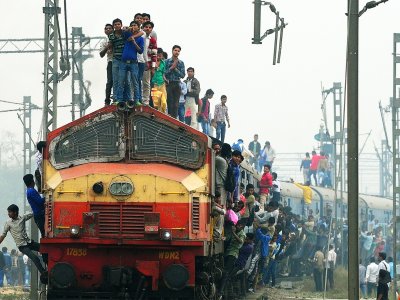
point(194, 89)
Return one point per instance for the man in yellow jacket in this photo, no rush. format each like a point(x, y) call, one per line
point(307, 191)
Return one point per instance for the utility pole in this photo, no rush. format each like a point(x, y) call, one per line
point(396, 147)
point(352, 125)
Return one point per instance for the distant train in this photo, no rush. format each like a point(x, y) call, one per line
point(371, 207)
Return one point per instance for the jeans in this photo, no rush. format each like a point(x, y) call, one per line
point(270, 272)
point(109, 83)
point(318, 280)
point(371, 289)
point(221, 128)
point(141, 67)
point(206, 126)
point(181, 112)
point(39, 220)
point(173, 95)
point(363, 288)
point(1, 277)
point(229, 264)
point(28, 251)
point(27, 279)
point(123, 88)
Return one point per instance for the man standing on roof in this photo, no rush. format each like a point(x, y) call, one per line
point(192, 96)
point(174, 72)
point(220, 114)
point(314, 166)
point(255, 148)
point(108, 29)
point(270, 153)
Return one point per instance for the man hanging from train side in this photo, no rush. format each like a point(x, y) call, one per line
point(16, 226)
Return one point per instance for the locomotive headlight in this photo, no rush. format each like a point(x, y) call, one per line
point(166, 234)
point(74, 230)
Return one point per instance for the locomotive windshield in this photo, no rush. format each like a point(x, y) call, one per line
point(157, 140)
point(96, 140)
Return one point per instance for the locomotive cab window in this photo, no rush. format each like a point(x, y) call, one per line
point(96, 140)
point(161, 141)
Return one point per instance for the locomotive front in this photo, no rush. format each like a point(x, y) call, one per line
point(128, 205)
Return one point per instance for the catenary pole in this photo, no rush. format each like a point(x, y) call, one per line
point(352, 125)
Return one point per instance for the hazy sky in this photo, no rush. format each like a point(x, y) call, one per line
point(281, 103)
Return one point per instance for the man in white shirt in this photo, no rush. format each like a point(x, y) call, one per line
point(16, 226)
point(372, 277)
point(331, 263)
point(271, 155)
point(383, 265)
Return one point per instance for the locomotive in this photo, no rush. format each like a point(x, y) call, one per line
point(128, 199)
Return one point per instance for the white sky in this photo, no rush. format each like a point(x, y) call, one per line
point(281, 102)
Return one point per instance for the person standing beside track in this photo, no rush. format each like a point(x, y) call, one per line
point(16, 226)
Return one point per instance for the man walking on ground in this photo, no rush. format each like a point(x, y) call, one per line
point(16, 226)
point(220, 114)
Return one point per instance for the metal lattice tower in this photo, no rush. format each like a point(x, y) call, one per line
point(395, 103)
point(27, 123)
point(51, 11)
point(384, 170)
point(338, 137)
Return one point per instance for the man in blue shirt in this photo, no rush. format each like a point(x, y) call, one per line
point(129, 64)
point(35, 201)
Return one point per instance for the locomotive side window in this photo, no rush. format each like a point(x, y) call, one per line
point(155, 140)
point(96, 140)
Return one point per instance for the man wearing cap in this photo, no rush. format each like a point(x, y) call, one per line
point(204, 113)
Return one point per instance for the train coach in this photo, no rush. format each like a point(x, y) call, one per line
point(128, 199)
point(371, 207)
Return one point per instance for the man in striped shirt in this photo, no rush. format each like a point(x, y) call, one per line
point(220, 114)
point(116, 43)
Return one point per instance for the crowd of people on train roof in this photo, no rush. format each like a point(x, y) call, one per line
point(263, 238)
point(139, 70)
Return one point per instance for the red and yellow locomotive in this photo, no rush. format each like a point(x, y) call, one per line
point(128, 195)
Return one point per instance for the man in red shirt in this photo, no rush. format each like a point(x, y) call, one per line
point(314, 166)
point(265, 185)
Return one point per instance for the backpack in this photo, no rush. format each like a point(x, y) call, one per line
point(230, 180)
point(386, 278)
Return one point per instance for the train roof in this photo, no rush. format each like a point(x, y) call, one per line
point(288, 189)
